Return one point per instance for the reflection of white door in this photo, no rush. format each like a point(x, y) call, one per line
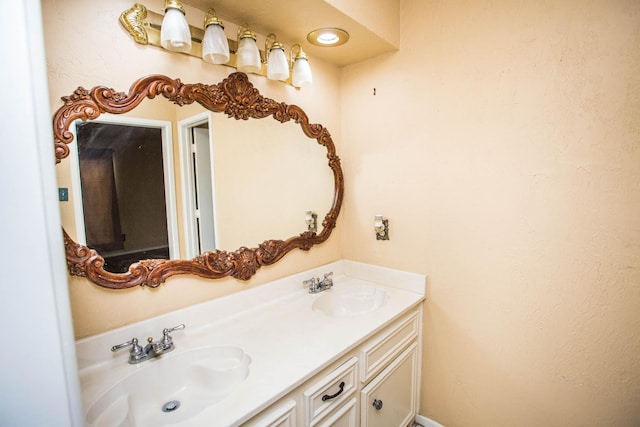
point(203, 187)
point(196, 164)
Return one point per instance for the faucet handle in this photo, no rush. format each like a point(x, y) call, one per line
point(312, 284)
point(133, 343)
point(327, 281)
point(136, 354)
point(166, 331)
point(167, 341)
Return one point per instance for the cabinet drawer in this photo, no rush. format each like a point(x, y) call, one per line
point(330, 392)
point(344, 416)
point(279, 415)
point(377, 354)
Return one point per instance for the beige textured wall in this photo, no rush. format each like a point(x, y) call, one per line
point(503, 144)
point(86, 46)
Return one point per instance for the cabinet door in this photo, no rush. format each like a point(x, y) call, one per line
point(391, 398)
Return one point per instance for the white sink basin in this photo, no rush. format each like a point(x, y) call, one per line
point(350, 300)
point(195, 379)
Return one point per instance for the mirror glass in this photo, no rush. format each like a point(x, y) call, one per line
point(267, 174)
point(240, 178)
point(123, 192)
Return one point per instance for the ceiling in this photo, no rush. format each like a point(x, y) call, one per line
point(291, 21)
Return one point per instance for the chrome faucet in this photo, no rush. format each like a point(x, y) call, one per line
point(153, 349)
point(316, 285)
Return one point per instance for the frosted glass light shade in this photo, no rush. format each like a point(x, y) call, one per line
point(301, 73)
point(175, 34)
point(277, 65)
point(215, 46)
point(248, 56)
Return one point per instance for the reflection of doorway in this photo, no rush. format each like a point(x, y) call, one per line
point(203, 187)
point(124, 190)
point(196, 154)
point(100, 199)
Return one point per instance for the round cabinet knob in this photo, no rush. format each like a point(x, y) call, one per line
point(377, 403)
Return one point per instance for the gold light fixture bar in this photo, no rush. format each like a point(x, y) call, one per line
point(144, 26)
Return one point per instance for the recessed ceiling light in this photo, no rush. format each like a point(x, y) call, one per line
point(328, 37)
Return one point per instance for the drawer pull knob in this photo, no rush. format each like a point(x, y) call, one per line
point(377, 403)
point(333, 396)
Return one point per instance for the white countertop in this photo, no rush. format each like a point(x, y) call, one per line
point(274, 324)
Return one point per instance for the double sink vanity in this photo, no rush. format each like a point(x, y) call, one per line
point(273, 355)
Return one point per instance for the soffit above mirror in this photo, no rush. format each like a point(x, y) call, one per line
point(373, 26)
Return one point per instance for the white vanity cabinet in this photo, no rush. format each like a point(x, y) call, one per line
point(376, 384)
point(310, 360)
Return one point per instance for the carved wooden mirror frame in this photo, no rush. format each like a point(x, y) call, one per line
point(234, 96)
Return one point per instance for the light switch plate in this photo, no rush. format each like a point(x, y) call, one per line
point(63, 194)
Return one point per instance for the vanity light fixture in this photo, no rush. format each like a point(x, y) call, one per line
point(311, 219)
point(248, 55)
point(173, 33)
point(215, 46)
point(277, 64)
point(381, 226)
point(301, 71)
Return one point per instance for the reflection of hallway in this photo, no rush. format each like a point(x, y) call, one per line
point(100, 200)
point(122, 185)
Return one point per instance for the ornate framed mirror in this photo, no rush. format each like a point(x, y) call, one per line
point(236, 97)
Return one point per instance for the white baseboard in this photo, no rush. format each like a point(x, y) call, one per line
point(426, 422)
